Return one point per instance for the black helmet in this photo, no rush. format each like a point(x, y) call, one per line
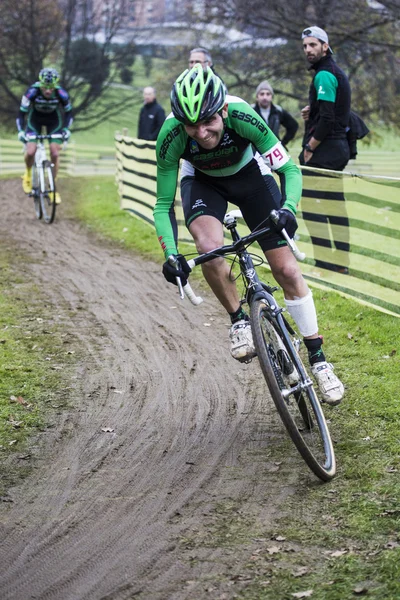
point(197, 94)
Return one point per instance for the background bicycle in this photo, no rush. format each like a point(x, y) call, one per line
point(43, 181)
point(279, 351)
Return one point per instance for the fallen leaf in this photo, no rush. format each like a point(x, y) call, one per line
point(390, 511)
point(273, 549)
point(279, 538)
point(305, 594)
point(18, 399)
point(391, 545)
point(349, 336)
point(338, 553)
point(300, 572)
point(360, 589)
point(207, 324)
point(12, 442)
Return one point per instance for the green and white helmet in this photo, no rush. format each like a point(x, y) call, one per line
point(197, 94)
point(49, 77)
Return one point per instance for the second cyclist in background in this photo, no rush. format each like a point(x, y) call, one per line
point(44, 104)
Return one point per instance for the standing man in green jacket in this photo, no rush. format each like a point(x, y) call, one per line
point(325, 146)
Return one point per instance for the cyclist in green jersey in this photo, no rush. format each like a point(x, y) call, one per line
point(229, 153)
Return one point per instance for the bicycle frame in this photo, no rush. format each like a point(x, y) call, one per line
point(255, 288)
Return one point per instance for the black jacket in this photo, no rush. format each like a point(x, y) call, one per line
point(277, 117)
point(151, 118)
point(329, 121)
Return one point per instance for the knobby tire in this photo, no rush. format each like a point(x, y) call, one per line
point(301, 413)
point(36, 192)
point(48, 193)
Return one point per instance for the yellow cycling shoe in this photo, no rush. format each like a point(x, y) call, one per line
point(27, 182)
point(58, 198)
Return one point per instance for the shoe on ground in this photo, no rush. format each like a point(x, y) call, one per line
point(330, 386)
point(58, 198)
point(27, 182)
point(242, 345)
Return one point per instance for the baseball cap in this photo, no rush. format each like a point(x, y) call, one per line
point(318, 33)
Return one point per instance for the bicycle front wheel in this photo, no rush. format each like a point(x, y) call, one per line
point(36, 192)
point(48, 193)
point(292, 392)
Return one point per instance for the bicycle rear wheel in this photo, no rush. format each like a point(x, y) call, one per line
point(48, 193)
point(292, 392)
point(36, 192)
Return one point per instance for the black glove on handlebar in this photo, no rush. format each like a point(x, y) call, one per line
point(171, 273)
point(287, 221)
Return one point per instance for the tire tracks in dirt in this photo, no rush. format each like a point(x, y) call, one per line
point(103, 515)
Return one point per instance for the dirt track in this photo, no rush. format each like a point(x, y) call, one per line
point(139, 512)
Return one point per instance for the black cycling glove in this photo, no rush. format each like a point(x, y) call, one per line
point(171, 273)
point(287, 221)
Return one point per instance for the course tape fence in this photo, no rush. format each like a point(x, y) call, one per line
point(356, 244)
point(76, 159)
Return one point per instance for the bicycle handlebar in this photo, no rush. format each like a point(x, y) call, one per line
point(185, 289)
point(47, 136)
point(300, 256)
point(253, 236)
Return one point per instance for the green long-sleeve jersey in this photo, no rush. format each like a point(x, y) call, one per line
point(246, 136)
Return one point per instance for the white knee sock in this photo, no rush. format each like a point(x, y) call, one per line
point(302, 311)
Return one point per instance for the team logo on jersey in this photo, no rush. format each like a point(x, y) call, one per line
point(193, 147)
point(226, 140)
point(199, 202)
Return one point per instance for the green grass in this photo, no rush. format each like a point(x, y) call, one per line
point(359, 511)
point(34, 350)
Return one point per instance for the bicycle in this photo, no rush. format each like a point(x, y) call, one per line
point(278, 349)
point(43, 184)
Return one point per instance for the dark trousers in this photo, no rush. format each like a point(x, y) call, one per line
point(325, 215)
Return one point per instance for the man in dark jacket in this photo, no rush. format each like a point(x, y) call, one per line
point(273, 114)
point(151, 117)
point(325, 146)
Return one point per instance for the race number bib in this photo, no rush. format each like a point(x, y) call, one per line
point(276, 156)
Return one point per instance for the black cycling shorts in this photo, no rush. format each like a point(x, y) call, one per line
point(253, 193)
point(52, 122)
